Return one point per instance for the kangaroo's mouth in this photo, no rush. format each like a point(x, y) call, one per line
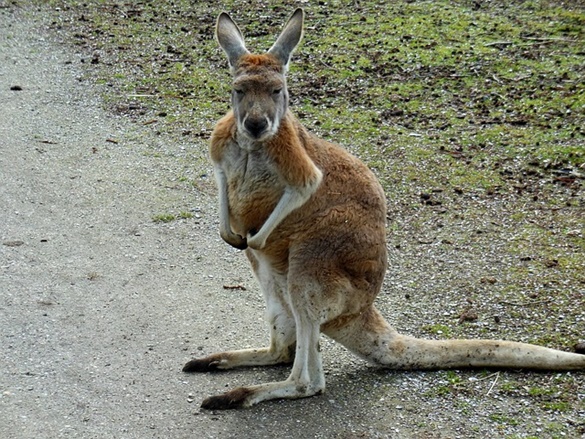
point(258, 130)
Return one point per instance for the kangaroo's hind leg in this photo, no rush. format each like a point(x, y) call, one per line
point(307, 377)
point(282, 330)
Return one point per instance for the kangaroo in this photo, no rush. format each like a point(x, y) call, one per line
point(312, 220)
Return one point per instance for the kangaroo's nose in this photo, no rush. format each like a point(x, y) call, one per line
point(256, 126)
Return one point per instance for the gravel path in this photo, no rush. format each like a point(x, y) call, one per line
point(100, 306)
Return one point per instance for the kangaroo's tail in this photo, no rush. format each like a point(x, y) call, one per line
point(372, 338)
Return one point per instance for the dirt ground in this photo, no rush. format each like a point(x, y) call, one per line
point(100, 306)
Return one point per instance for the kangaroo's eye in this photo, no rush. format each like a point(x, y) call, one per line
point(239, 91)
point(277, 91)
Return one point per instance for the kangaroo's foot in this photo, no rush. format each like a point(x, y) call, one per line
point(242, 358)
point(242, 397)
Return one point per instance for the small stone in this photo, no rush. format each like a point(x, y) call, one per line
point(580, 348)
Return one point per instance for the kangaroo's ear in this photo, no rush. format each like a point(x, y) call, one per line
point(230, 38)
point(289, 38)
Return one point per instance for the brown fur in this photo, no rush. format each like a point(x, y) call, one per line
point(257, 64)
point(313, 219)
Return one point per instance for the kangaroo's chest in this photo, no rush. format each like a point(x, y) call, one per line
point(254, 188)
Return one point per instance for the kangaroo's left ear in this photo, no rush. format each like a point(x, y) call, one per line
point(289, 38)
point(230, 38)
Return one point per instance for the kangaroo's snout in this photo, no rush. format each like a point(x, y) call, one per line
point(256, 126)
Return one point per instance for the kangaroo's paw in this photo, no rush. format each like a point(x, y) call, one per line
point(234, 399)
point(256, 241)
point(206, 364)
point(242, 397)
point(234, 240)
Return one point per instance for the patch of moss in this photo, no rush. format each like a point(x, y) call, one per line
point(164, 218)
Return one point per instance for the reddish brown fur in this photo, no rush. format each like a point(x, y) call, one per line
point(313, 217)
point(257, 64)
point(290, 154)
point(225, 130)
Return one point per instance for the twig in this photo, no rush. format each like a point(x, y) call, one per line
point(537, 41)
point(572, 421)
point(494, 383)
point(499, 43)
point(539, 225)
point(541, 302)
point(522, 78)
point(487, 377)
point(234, 287)
point(549, 39)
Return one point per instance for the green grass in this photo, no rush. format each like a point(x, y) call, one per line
point(503, 419)
point(164, 218)
point(169, 217)
point(443, 331)
point(437, 62)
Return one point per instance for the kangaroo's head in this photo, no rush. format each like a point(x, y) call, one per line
point(259, 94)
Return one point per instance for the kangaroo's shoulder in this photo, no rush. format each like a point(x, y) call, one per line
point(223, 135)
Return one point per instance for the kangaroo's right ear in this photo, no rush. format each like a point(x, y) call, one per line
point(230, 38)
